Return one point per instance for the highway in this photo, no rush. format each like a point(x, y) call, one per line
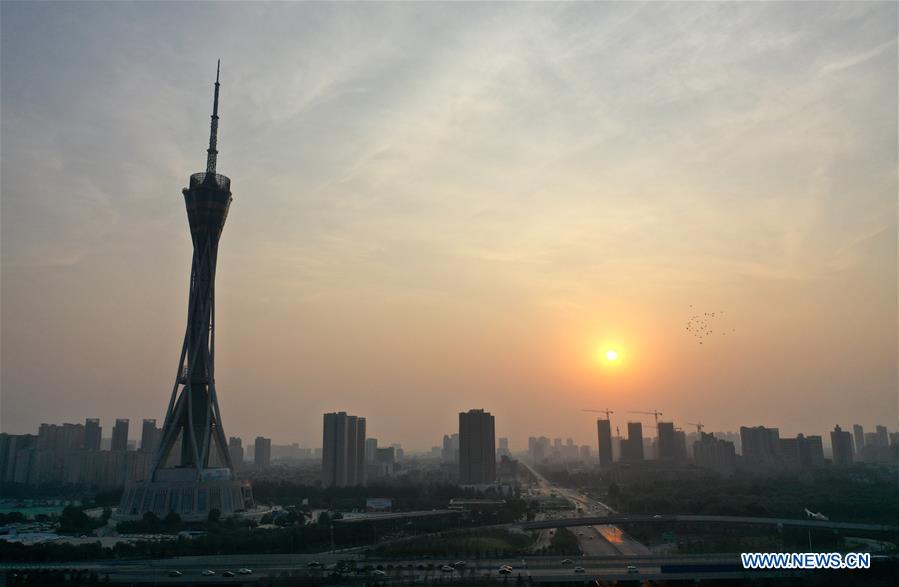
point(538, 569)
point(597, 539)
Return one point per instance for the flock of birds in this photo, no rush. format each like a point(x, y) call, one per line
point(702, 326)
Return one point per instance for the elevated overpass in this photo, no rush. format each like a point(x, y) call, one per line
point(729, 520)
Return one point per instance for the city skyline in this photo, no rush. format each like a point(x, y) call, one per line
point(474, 226)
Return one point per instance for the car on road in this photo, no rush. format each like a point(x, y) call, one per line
point(228, 574)
point(245, 571)
point(208, 573)
point(460, 564)
point(314, 565)
point(567, 561)
point(578, 569)
point(632, 569)
point(447, 569)
point(505, 571)
point(379, 573)
point(174, 573)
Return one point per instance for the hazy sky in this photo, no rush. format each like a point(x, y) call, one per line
point(440, 207)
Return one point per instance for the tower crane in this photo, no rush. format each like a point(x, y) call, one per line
point(606, 411)
point(654, 413)
point(699, 427)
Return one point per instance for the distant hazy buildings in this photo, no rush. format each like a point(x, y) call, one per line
point(477, 448)
point(450, 451)
point(503, 450)
point(262, 452)
point(604, 443)
point(120, 435)
point(343, 450)
point(841, 443)
point(235, 447)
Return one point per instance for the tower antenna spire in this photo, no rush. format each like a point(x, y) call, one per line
point(212, 151)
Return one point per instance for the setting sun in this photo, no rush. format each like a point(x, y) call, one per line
point(611, 355)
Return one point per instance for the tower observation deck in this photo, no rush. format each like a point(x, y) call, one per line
point(192, 470)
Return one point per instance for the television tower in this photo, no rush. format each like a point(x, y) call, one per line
point(192, 471)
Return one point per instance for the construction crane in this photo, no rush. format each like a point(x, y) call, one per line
point(699, 427)
point(654, 413)
point(606, 412)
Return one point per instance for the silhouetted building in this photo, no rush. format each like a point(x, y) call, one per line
point(680, 445)
point(883, 438)
point(235, 447)
point(53, 437)
point(120, 435)
point(262, 452)
point(666, 441)
point(761, 446)
point(149, 436)
point(811, 451)
point(371, 449)
point(343, 451)
point(632, 447)
point(604, 443)
point(713, 453)
point(93, 434)
point(477, 448)
point(858, 434)
point(841, 443)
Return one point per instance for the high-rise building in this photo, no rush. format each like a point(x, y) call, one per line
point(841, 443)
point(65, 437)
point(343, 451)
point(858, 433)
point(714, 453)
point(262, 452)
point(811, 451)
point(680, 445)
point(880, 433)
point(477, 448)
point(632, 447)
point(93, 434)
point(192, 471)
point(371, 449)
point(149, 436)
point(604, 446)
point(761, 446)
point(120, 435)
point(666, 449)
point(503, 450)
point(235, 448)
point(450, 452)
